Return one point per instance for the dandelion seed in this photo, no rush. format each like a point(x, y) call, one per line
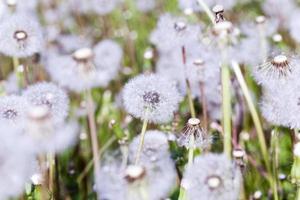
point(193, 128)
point(151, 97)
point(193, 4)
point(20, 36)
point(212, 177)
point(50, 95)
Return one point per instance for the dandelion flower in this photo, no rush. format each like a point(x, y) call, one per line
point(151, 97)
point(13, 110)
point(212, 177)
point(104, 7)
point(20, 36)
point(50, 95)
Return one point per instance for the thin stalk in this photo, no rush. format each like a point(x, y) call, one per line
point(298, 193)
point(51, 176)
point(142, 139)
point(207, 10)
point(226, 98)
point(253, 112)
point(93, 131)
point(182, 194)
point(274, 142)
point(254, 115)
point(204, 106)
point(16, 64)
point(191, 150)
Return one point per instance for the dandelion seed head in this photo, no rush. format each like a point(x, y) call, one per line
point(20, 36)
point(13, 110)
point(277, 71)
point(193, 128)
point(179, 33)
point(151, 96)
point(212, 177)
point(50, 95)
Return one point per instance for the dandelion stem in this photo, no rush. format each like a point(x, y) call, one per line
point(207, 10)
point(16, 64)
point(204, 106)
point(274, 142)
point(226, 98)
point(93, 131)
point(191, 150)
point(51, 173)
point(142, 138)
point(298, 192)
point(254, 115)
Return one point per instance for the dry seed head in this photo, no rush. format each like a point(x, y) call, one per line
point(260, 19)
point(218, 9)
point(257, 194)
point(199, 62)
point(238, 153)
point(280, 61)
point(214, 182)
point(83, 54)
point(134, 172)
point(20, 35)
point(277, 38)
point(194, 122)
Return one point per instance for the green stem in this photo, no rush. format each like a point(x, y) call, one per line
point(190, 99)
point(298, 193)
point(253, 112)
point(182, 194)
point(254, 115)
point(274, 142)
point(207, 10)
point(191, 150)
point(226, 100)
point(142, 138)
point(19, 75)
point(93, 131)
point(51, 173)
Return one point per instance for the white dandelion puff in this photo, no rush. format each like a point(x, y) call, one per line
point(151, 96)
point(50, 95)
point(13, 110)
point(212, 177)
point(20, 36)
